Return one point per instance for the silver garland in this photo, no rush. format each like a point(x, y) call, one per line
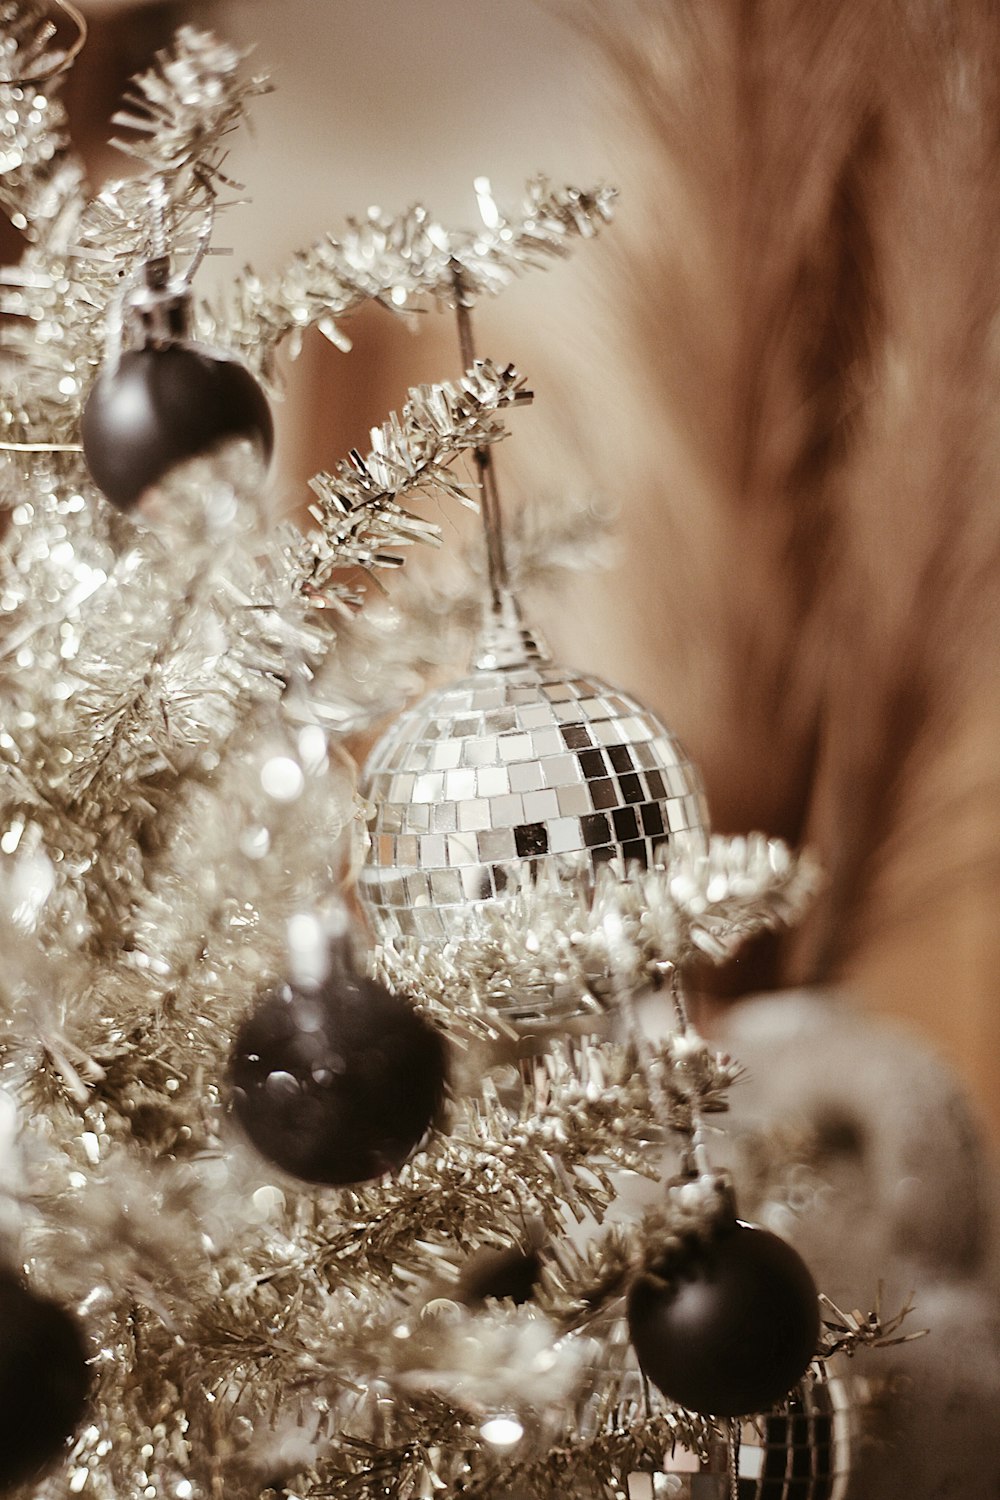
point(404, 263)
point(582, 939)
point(361, 521)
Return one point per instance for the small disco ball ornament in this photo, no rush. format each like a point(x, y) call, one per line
point(520, 760)
point(336, 1083)
point(803, 1451)
point(167, 400)
point(44, 1380)
point(726, 1324)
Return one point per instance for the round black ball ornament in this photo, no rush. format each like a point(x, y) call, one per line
point(44, 1380)
point(336, 1085)
point(511, 1274)
point(726, 1325)
point(161, 405)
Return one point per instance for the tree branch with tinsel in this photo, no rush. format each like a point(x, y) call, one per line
point(359, 514)
point(40, 176)
point(571, 936)
point(178, 112)
point(848, 1332)
point(452, 1458)
point(404, 263)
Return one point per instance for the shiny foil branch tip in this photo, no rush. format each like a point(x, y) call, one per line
point(405, 263)
point(360, 520)
point(178, 111)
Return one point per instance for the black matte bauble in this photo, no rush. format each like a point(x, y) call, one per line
point(510, 1275)
point(728, 1325)
point(161, 406)
point(337, 1085)
point(44, 1380)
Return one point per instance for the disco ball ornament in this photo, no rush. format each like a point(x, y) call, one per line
point(517, 762)
point(803, 1451)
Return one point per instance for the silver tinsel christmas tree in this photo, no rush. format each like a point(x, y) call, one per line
point(433, 1301)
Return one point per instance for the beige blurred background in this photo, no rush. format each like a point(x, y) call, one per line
point(387, 101)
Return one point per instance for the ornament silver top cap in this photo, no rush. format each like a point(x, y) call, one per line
point(159, 308)
point(505, 641)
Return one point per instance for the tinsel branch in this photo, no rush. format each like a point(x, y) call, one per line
point(406, 263)
point(40, 175)
point(178, 115)
point(180, 110)
point(359, 512)
point(628, 1439)
point(570, 936)
point(846, 1333)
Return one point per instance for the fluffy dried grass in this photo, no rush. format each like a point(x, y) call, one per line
point(810, 257)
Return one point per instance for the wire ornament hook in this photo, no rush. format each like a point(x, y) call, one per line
point(149, 287)
point(61, 62)
point(496, 557)
point(157, 265)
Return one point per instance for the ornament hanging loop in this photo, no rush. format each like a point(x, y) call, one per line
point(59, 62)
point(496, 559)
point(153, 304)
point(156, 270)
point(158, 266)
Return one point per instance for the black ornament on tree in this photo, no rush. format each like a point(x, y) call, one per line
point(728, 1324)
point(158, 407)
point(508, 1275)
point(166, 399)
point(44, 1380)
point(337, 1084)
